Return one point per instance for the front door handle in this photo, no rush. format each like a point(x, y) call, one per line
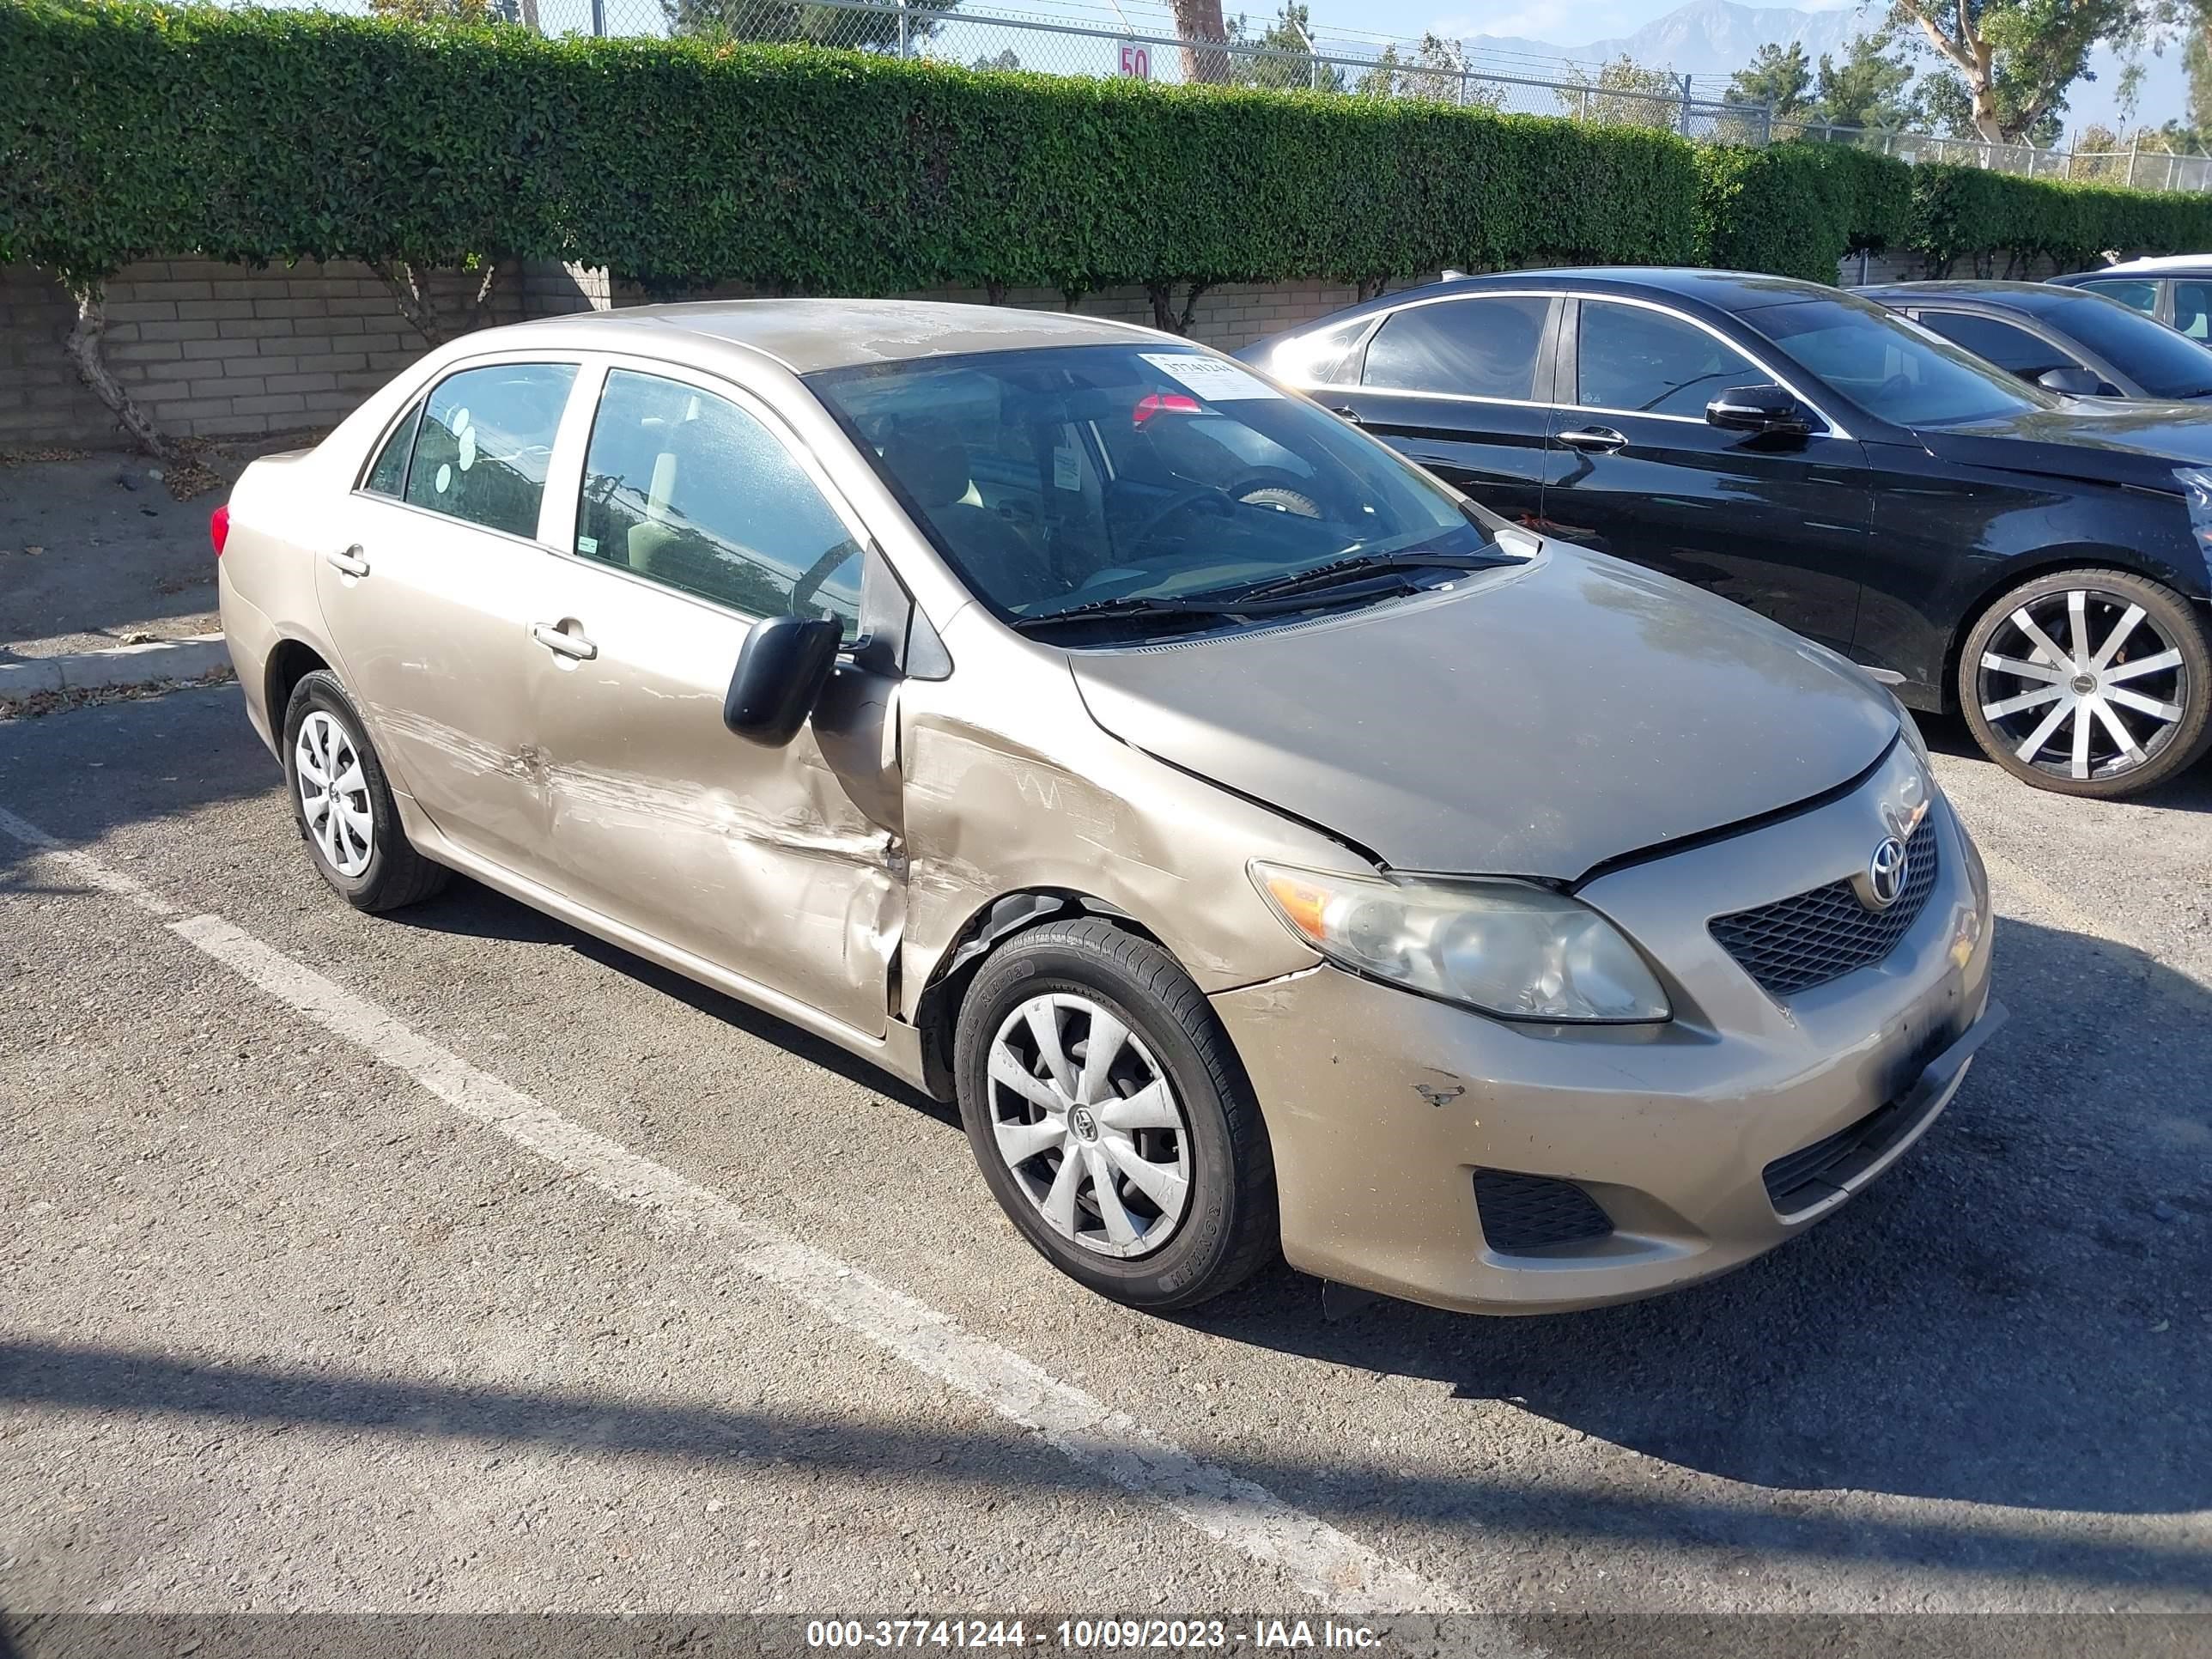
point(1603, 440)
point(349, 562)
point(1346, 412)
point(557, 640)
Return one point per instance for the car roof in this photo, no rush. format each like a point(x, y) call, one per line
point(809, 335)
point(1723, 290)
point(2163, 265)
point(2036, 297)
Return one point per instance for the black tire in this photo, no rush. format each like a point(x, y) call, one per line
point(395, 874)
point(2166, 747)
point(1228, 1229)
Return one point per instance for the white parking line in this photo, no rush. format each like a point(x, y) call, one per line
point(1321, 1560)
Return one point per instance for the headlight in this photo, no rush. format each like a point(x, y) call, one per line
point(1503, 946)
point(1909, 728)
point(2195, 483)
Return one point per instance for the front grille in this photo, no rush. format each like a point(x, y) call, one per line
point(1799, 1180)
point(1798, 942)
point(1524, 1212)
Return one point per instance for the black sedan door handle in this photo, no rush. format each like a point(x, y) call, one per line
point(1346, 412)
point(1602, 438)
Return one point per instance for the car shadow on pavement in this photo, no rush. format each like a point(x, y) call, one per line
point(472, 911)
point(2019, 1313)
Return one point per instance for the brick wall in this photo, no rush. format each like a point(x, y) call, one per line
point(216, 350)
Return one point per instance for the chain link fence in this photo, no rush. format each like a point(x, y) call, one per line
point(1139, 39)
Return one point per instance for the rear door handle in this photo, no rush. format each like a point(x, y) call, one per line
point(1602, 438)
point(350, 562)
point(1346, 412)
point(561, 642)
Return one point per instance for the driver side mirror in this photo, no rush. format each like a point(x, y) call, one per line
point(1758, 408)
point(782, 668)
point(2073, 379)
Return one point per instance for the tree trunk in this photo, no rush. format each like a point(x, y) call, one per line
point(1200, 28)
point(410, 292)
point(83, 346)
point(1164, 315)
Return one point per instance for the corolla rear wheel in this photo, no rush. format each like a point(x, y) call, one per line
point(1111, 1118)
point(2089, 682)
point(343, 803)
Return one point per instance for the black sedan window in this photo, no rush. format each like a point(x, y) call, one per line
point(1890, 367)
point(1633, 359)
point(1482, 348)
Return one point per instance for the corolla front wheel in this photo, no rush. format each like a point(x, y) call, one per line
point(343, 805)
point(2089, 682)
point(1110, 1116)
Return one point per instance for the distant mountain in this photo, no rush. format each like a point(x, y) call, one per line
point(1715, 37)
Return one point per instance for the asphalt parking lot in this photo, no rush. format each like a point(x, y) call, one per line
point(455, 1261)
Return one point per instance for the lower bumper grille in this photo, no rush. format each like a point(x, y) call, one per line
point(1524, 1212)
point(1799, 1180)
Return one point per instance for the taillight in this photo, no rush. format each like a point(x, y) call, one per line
point(219, 527)
point(1163, 402)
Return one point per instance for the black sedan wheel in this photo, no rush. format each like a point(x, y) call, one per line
point(2089, 682)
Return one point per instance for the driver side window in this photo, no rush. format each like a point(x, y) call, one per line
point(687, 489)
point(1637, 361)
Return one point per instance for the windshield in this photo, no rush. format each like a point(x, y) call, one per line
point(1890, 367)
point(2164, 363)
point(1070, 477)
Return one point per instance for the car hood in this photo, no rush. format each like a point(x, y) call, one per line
point(1535, 720)
point(2108, 439)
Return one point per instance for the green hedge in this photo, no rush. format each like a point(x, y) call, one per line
point(130, 129)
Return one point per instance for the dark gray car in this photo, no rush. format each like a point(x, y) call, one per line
point(2067, 339)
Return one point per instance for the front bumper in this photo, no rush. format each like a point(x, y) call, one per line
point(1382, 1105)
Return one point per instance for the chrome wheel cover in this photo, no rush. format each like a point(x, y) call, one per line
point(2082, 685)
point(1089, 1126)
point(334, 793)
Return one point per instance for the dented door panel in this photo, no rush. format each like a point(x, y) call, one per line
point(761, 861)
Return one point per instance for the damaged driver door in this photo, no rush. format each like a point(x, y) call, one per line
point(698, 516)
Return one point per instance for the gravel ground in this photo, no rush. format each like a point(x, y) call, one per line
point(282, 1332)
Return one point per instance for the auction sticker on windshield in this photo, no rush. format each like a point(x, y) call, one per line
point(1215, 379)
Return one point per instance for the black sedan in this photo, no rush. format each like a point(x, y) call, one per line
point(2038, 562)
point(2069, 339)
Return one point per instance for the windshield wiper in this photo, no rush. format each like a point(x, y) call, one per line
point(1243, 602)
point(1357, 565)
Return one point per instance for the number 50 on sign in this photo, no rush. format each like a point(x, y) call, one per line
point(1136, 61)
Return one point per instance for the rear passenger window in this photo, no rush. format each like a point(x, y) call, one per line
point(2140, 296)
point(2192, 309)
point(1481, 348)
point(486, 436)
point(1643, 361)
point(390, 472)
point(687, 489)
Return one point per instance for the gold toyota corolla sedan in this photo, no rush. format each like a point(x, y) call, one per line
point(1267, 848)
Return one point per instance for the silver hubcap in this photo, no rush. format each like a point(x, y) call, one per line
point(333, 794)
point(2082, 685)
point(1087, 1122)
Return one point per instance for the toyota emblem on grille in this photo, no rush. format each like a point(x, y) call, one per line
point(1885, 883)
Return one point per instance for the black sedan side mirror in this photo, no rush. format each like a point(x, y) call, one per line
point(2072, 380)
point(1758, 408)
point(782, 667)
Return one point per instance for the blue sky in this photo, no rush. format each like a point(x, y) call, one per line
point(1562, 20)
